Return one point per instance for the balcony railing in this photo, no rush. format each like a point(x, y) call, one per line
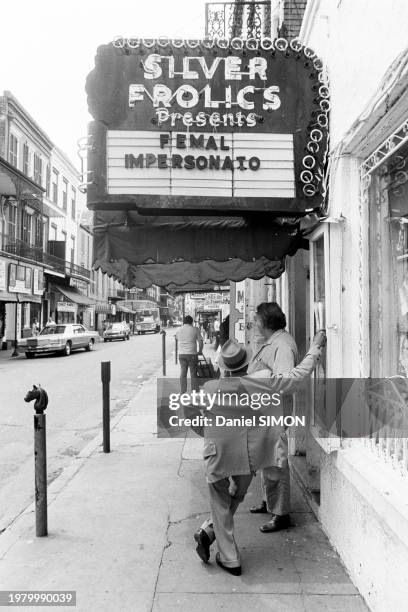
point(238, 19)
point(22, 249)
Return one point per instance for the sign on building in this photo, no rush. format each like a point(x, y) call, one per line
point(66, 307)
point(207, 124)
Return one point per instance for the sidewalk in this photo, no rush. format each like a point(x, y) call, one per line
point(121, 526)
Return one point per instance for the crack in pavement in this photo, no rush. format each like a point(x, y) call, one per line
point(165, 547)
point(194, 515)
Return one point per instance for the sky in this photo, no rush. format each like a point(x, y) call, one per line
point(47, 48)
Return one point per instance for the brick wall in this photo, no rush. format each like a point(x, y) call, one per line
point(293, 12)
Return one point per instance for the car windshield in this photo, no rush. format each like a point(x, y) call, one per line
point(52, 329)
point(115, 326)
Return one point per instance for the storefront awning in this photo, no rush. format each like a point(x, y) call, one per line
point(140, 239)
point(9, 297)
point(185, 276)
point(74, 296)
point(125, 309)
point(179, 251)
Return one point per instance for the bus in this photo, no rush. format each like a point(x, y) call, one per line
point(146, 316)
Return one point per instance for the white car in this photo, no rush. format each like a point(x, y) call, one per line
point(61, 339)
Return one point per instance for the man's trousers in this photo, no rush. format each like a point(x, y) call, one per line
point(221, 524)
point(276, 489)
point(188, 362)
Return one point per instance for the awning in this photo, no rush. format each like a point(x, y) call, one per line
point(8, 297)
point(179, 251)
point(184, 275)
point(74, 296)
point(125, 309)
point(140, 239)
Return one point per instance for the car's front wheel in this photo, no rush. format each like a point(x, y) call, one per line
point(30, 355)
point(90, 345)
point(66, 351)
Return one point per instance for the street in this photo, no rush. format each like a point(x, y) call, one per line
point(74, 414)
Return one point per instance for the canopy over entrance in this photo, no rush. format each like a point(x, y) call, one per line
point(179, 251)
point(202, 157)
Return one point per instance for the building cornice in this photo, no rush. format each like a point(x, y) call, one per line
point(25, 119)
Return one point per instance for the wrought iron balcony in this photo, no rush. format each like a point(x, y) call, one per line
point(19, 248)
point(238, 19)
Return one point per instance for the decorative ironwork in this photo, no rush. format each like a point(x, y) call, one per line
point(20, 248)
point(238, 19)
point(394, 142)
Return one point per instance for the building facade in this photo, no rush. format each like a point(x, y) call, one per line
point(45, 249)
point(353, 283)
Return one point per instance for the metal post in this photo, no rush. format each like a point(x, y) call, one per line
point(40, 457)
point(15, 351)
point(176, 349)
point(163, 333)
point(106, 376)
point(40, 470)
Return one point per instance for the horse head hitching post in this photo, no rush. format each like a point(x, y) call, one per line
point(40, 457)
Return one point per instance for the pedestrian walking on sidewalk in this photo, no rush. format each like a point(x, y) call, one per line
point(278, 354)
point(35, 328)
point(233, 454)
point(190, 344)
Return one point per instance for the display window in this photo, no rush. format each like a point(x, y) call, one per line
point(388, 229)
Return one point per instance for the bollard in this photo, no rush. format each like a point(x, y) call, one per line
point(175, 349)
point(106, 376)
point(164, 351)
point(40, 458)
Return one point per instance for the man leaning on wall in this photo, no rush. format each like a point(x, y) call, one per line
point(278, 354)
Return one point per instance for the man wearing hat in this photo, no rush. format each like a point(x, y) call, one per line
point(233, 454)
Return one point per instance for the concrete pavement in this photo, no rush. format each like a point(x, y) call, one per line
point(120, 534)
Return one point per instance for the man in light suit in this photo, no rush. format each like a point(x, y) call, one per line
point(233, 454)
point(279, 354)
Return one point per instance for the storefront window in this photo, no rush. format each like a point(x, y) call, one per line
point(388, 213)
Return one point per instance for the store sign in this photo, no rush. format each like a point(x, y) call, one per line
point(20, 279)
point(66, 307)
point(209, 121)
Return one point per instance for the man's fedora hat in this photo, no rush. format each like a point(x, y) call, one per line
point(233, 356)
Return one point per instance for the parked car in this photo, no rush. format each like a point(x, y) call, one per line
point(116, 331)
point(61, 339)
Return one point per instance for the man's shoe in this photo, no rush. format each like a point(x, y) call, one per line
point(276, 523)
point(260, 509)
point(235, 571)
point(203, 545)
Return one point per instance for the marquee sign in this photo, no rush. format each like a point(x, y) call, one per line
point(195, 125)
